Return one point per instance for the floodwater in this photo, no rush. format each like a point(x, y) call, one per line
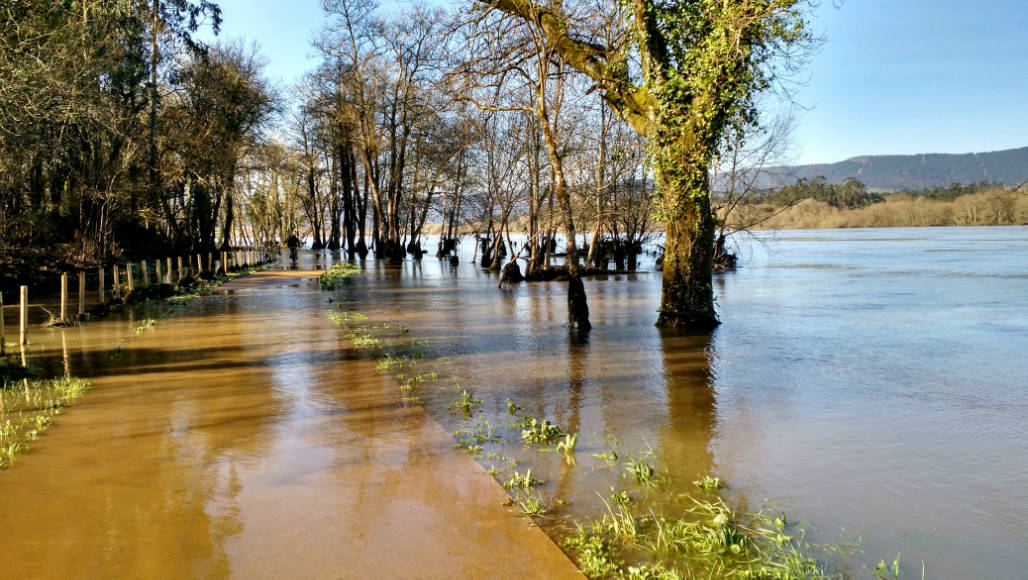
point(243, 437)
point(866, 380)
point(869, 382)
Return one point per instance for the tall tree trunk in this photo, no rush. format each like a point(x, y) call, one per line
point(687, 297)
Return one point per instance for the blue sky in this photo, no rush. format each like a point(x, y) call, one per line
point(893, 76)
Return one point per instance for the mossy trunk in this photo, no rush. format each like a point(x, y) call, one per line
point(687, 298)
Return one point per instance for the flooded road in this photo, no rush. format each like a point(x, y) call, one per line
point(243, 437)
point(870, 382)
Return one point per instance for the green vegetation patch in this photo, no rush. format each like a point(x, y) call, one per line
point(705, 539)
point(27, 409)
point(337, 275)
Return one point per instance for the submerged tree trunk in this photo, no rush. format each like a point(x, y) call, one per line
point(687, 297)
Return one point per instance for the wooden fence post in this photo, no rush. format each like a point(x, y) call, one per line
point(101, 285)
point(82, 293)
point(23, 317)
point(64, 298)
point(128, 276)
point(146, 273)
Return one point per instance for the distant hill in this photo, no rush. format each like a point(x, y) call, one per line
point(895, 172)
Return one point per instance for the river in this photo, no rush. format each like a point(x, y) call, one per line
point(871, 382)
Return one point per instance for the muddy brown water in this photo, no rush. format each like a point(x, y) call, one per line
point(243, 437)
point(870, 382)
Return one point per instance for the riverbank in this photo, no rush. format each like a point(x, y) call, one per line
point(242, 437)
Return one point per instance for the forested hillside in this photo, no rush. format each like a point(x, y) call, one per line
point(911, 172)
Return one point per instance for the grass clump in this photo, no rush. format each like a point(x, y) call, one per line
point(27, 408)
point(465, 404)
point(535, 431)
point(706, 540)
point(479, 433)
point(337, 275)
point(642, 473)
point(567, 445)
point(522, 481)
point(708, 483)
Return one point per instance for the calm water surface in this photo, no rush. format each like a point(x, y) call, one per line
point(867, 381)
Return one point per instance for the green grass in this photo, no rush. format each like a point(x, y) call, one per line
point(337, 275)
point(27, 409)
point(535, 431)
point(708, 483)
point(465, 404)
point(567, 445)
point(706, 539)
point(147, 324)
point(522, 481)
point(642, 473)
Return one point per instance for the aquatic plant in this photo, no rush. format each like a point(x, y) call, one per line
point(708, 483)
point(531, 504)
point(535, 431)
point(523, 481)
point(609, 457)
point(344, 318)
point(145, 325)
point(465, 404)
point(338, 274)
point(390, 362)
point(481, 432)
point(512, 409)
point(567, 445)
point(29, 407)
point(642, 473)
point(619, 497)
point(707, 540)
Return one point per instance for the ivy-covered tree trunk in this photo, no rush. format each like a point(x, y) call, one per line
point(680, 165)
point(687, 298)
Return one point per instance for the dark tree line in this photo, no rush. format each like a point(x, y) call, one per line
point(121, 134)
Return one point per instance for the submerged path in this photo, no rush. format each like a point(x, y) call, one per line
point(245, 438)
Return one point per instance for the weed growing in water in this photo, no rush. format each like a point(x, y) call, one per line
point(512, 409)
point(337, 275)
point(708, 483)
point(531, 504)
point(610, 458)
point(619, 497)
point(885, 572)
point(481, 432)
point(343, 318)
point(465, 404)
point(642, 473)
point(708, 540)
point(363, 340)
point(567, 446)
point(147, 324)
point(534, 431)
point(29, 407)
point(390, 362)
point(521, 481)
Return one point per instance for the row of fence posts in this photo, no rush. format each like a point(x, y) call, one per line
point(234, 259)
